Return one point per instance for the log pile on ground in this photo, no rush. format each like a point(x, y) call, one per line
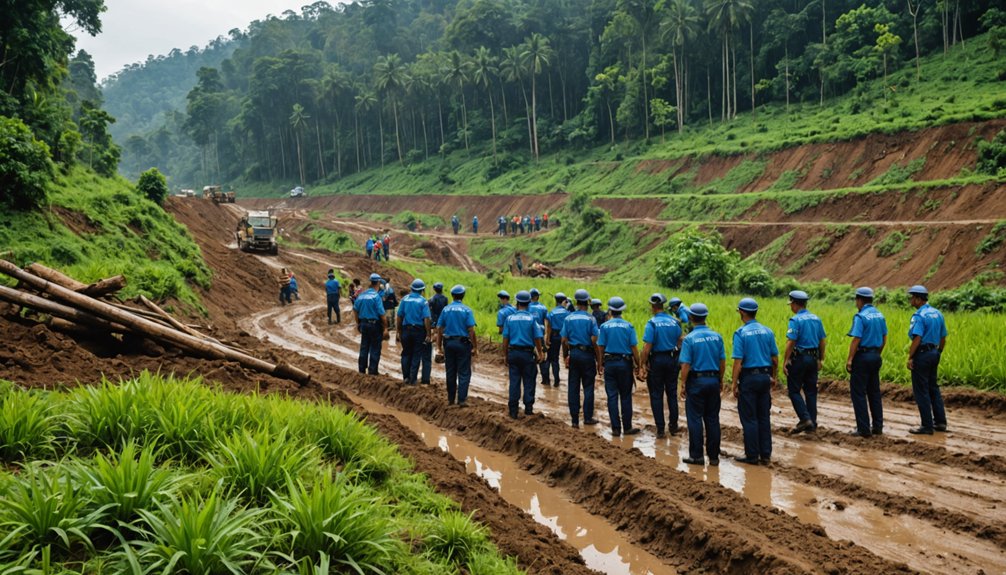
point(81, 309)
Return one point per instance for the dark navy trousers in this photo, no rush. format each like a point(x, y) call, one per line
point(864, 385)
point(702, 409)
point(371, 338)
point(618, 388)
point(426, 362)
point(926, 391)
point(663, 381)
point(552, 360)
point(413, 340)
point(801, 382)
point(754, 407)
point(332, 301)
point(523, 374)
point(582, 373)
point(458, 364)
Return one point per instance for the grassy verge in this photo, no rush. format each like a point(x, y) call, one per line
point(165, 475)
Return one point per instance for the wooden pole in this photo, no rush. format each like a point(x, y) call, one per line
point(58, 310)
point(104, 287)
point(182, 327)
point(97, 289)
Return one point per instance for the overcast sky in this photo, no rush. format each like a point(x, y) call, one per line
point(132, 29)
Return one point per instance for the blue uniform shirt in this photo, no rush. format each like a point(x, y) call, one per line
point(683, 314)
point(806, 330)
point(413, 309)
point(332, 287)
point(662, 332)
point(754, 345)
point(579, 327)
point(522, 329)
point(869, 326)
point(703, 349)
point(617, 336)
point(928, 323)
point(504, 312)
point(456, 319)
point(539, 311)
point(556, 318)
point(369, 305)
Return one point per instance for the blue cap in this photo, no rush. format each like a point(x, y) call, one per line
point(458, 290)
point(375, 278)
point(616, 304)
point(582, 295)
point(535, 292)
point(503, 293)
point(438, 286)
point(331, 274)
point(864, 292)
point(523, 296)
point(798, 295)
point(918, 290)
point(560, 297)
point(698, 310)
point(748, 304)
point(658, 298)
point(595, 301)
point(418, 285)
point(674, 301)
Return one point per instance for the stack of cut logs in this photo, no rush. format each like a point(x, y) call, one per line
point(74, 306)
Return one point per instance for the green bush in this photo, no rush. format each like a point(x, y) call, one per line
point(992, 155)
point(697, 261)
point(153, 185)
point(25, 166)
point(893, 243)
point(993, 240)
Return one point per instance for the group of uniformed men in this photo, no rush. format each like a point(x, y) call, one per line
point(677, 346)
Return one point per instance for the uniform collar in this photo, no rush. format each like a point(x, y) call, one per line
point(663, 313)
point(804, 310)
point(750, 321)
point(698, 327)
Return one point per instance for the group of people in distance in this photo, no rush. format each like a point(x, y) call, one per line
point(678, 347)
point(378, 246)
point(511, 225)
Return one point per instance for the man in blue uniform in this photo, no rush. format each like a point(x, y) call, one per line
point(455, 223)
point(659, 360)
point(583, 359)
point(501, 226)
point(600, 316)
point(475, 224)
point(522, 350)
point(437, 303)
point(413, 330)
point(680, 311)
point(869, 337)
point(333, 290)
point(505, 309)
point(805, 347)
point(928, 333)
point(617, 342)
point(553, 335)
point(703, 363)
point(539, 311)
point(372, 323)
point(456, 341)
point(756, 367)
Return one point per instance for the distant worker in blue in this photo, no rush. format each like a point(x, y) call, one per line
point(806, 342)
point(437, 303)
point(869, 337)
point(457, 343)
point(583, 359)
point(537, 223)
point(600, 316)
point(755, 372)
point(475, 224)
point(617, 342)
point(659, 360)
point(455, 223)
point(928, 333)
point(294, 287)
point(370, 247)
point(554, 321)
point(413, 330)
point(680, 311)
point(333, 289)
point(372, 324)
point(505, 309)
point(520, 224)
point(522, 351)
point(501, 222)
point(703, 365)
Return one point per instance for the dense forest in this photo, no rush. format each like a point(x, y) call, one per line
point(312, 96)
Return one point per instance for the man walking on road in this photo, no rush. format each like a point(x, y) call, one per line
point(928, 332)
point(869, 337)
point(703, 364)
point(372, 324)
point(756, 367)
point(583, 360)
point(413, 330)
point(659, 360)
point(617, 342)
point(456, 342)
point(285, 293)
point(522, 350)
point(437, 303)
point(553, 335)
point(805, 347)
point(333, 290)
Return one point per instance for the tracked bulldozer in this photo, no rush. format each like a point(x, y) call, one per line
point(256, 232)
point(218, 195)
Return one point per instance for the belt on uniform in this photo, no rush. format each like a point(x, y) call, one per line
point(583, 347)
point(811, 351)
point(928, 347)
point(616, 356)
point(670, 352)
point(756, 371)
point(521, 348)
point(457, 338)
point(370, 321)
point(702, 374)
point(413, 326)
point(868, 350)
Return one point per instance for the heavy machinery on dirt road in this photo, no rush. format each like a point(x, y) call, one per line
point(218, 195)
point(256, 232)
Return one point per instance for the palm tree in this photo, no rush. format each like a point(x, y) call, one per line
point(483, 72)
point(365, 101)
point(456, 71)
point(535, 53)
point(298, 120)
point(726, 16)
point(390, 78)
point(641, 13)
point(680, 25)
point(513, 70)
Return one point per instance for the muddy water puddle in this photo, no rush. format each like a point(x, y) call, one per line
point(602, 547)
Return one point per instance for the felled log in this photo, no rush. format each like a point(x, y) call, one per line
point(156, 309)
point(97, 289)
point(105, 287)
point(58, 310)
point(152, 329)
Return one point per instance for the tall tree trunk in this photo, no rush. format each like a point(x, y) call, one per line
point(646, 98)
point(506, 119)
point(426, 140)
point(527, 115)
point(754, 110)
point(551, 102)
point(380, 126)
point(300, 157)
point(282, 153)
point(562, 84)
point(321, 153)
point(709, 94)
point(492, 112)
point(915, 32)
point(677, 87)
point(398, 138)
point(357, 139)
point(440, 108)
point(534, 116)
point(611, 122)
point(464, 117)
point(786, 72)
point(733, 77)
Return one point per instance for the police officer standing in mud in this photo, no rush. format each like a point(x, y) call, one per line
point(703, 364)
point(928, 333)
point(869, 337)
point(756, 366)
point(457, 343)
point(413, 330)
point(553, 335)
point(661, 344)
point(805, 347)
point(437, 303)
point(539, 311)
point(583, 359)
point(522, 351)
point(617, 342)
point(505, 309)
point(372, 324)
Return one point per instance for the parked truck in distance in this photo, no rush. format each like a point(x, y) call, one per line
point(256, 232)
point(218, 195)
